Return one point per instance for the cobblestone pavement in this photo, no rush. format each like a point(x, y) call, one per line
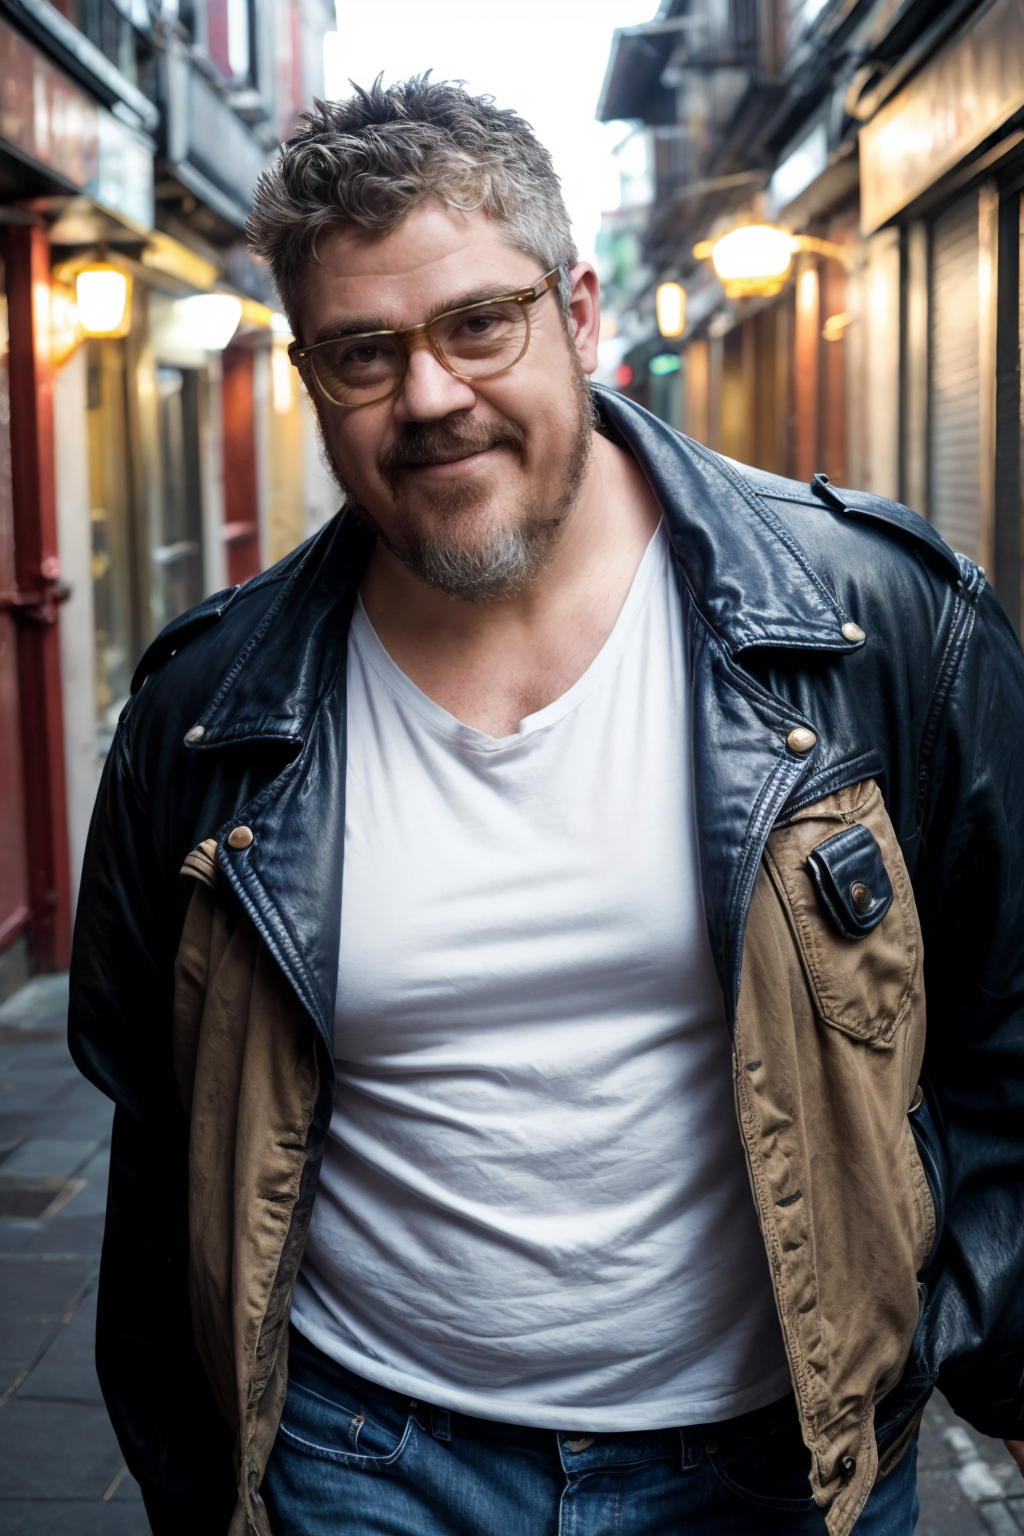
point(61, 1472)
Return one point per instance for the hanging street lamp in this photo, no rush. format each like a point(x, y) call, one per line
point(754, 260)
point(103, 299)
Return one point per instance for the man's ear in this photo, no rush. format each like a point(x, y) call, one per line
point(585, 313)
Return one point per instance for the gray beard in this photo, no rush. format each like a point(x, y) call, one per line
point(508, 560)
point(506, 563)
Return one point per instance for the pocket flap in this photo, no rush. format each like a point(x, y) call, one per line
point(864, 989)
point(851, 881)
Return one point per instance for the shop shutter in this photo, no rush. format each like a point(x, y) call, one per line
point(955, 403)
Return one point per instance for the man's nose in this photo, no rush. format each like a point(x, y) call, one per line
point(428, 390)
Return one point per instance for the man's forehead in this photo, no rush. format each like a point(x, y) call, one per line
point(435, 258)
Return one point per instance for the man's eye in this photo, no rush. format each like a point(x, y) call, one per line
point(361, 356)
point(479, 325)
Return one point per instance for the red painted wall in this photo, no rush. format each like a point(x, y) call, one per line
point(241, 497)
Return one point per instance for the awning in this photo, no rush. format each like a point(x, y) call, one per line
point(632, 84)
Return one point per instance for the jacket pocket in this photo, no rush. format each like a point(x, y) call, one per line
point(839, 872)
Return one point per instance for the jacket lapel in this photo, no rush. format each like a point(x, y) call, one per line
point(743, 774)
point(288, 686)
point(746, 583)
point(746, 573)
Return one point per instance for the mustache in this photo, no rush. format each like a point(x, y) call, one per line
point(441, 442)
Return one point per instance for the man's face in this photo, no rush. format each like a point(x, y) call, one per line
point(467, 484)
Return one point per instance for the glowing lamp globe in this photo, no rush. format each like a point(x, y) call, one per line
point(102, 292)
point(753, 260)
point(207, 320)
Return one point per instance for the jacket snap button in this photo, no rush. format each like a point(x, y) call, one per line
point(801, 739)
point(241, 837)
point(853, 632)
point(195, 734)
point(860, 895)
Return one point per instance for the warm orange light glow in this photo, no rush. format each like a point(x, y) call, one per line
point(670, 306)
point(65, 332)
point(281, 375)
point(754, 259)
point(835, 326)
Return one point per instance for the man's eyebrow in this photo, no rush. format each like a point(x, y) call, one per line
point(481, 296)
point(350, 328)
point(367, 325)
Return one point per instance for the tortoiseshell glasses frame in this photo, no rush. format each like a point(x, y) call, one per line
point(472, 341)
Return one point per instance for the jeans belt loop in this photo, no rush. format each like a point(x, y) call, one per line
point(689, 1447)
point(440, 1424)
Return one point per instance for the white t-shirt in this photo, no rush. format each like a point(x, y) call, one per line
point(534, 1205)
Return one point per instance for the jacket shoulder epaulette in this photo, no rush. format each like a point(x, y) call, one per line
point(820, 492)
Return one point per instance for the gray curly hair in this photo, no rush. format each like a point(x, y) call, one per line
point(364, 163)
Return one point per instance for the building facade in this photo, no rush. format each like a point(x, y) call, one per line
point(148, 462)
point(888, 139)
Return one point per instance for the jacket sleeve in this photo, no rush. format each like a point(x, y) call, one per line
point(129, 916)
point(970, 888)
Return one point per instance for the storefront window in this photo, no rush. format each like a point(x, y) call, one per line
point(115, 559)
point(177, 555)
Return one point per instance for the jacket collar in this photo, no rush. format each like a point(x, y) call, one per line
point(274, 684)
point(748, 576)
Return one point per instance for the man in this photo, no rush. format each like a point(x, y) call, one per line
point(506, 931)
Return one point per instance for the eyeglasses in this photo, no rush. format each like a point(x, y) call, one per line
point(475, 341)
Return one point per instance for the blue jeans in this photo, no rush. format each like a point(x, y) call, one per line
point(354, 1459)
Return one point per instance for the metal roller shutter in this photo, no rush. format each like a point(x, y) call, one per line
point(955, 403)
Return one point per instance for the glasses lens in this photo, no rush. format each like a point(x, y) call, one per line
point(485, 339)
point(357, 369)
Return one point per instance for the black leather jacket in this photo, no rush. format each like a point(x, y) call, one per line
point(931, 704)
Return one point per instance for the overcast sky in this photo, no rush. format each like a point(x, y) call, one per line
point(546, 58)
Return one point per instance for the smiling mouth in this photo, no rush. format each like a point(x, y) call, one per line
point(435, 451)
point(448, 461)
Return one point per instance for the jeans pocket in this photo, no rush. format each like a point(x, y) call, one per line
point(357, 1434)
point(771, 1469)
